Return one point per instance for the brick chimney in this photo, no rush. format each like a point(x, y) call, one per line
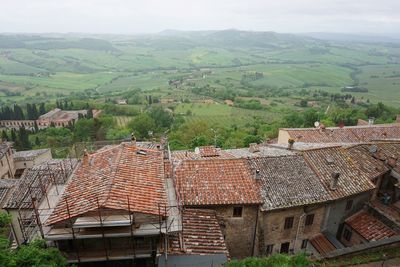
point(371, 121)
point(133, 139)
point(290, 143)
point(334, 181)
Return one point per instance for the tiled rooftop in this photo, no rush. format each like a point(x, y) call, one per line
point(5, 186)
point(287, 182)
point(261, 151)
point(201, 234)
point(216, 182)
point(28, 154)
point(31, 182)
point(4, 146)
point(327, 162)
point(369, 227)
point(349, 134)
point(322, 244)
point(109, 177)
point(364, 159)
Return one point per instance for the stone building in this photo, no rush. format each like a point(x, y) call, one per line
point(347, 185)
point(55, 117)
point(363, 228)
point(227, 186)
point(293, 203)
point(30, 158)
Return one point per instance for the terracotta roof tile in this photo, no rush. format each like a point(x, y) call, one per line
point(362, 156)
point(350, 134)
point(328, 161)
point(322, 244)
point(110, 176)
point(369, 227)
point(201, 234)
point(216, 182)
point(287, 181)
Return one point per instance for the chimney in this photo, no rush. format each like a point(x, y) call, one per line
point(133, 139)
point(371, 121)
point(290, 143)
point(257, 175)
point(334, 181)
point(253, 148)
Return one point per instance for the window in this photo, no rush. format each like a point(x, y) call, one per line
point(349, 204)
point(347, 234)
point(25, 164)
point(304, 243)
point(237, 211)
point(288, 222)
point(285, 247)
point(309, 219)
point(269, 249)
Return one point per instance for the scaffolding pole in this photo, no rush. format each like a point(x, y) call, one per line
point(73, 232)
point(102, 229)
point(132, 222)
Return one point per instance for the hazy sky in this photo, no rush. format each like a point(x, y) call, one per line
point(133, 16)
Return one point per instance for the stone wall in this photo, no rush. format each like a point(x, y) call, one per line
point(238, 231)
point(272, 230)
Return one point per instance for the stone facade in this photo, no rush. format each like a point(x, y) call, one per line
point(273, 233)
point(239, 232)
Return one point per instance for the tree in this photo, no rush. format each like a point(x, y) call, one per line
point(85, 130)
point(162, 117)
point(42, 109)
point(141, 125)
point(4, 135)
point(23, 137)
point(89, 114)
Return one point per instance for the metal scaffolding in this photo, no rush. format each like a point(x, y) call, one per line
point(37, 186)
point(161, 226)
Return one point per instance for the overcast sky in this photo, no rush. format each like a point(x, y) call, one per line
point(133, 16)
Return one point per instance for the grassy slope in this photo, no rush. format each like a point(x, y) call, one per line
point(285, 61)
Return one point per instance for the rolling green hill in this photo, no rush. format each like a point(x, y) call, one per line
point(56, 66)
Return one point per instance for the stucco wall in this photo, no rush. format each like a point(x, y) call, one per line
point(283, 137)
point(336, 213)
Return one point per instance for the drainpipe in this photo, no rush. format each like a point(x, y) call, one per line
point(255, 233)
point(298, 230)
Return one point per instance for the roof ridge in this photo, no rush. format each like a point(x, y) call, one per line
point(113, 173)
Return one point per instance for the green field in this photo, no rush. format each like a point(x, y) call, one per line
point(50, 68)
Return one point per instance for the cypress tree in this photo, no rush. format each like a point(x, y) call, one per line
point(89, 114)
point(35, 113)
point(24, 138)
point(42, 109)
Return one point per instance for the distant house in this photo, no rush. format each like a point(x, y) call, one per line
point(121, 102)
point(55, 117)
point(229, 102)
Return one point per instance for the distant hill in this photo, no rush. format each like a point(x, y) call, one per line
point(228, 38)
point(360, 38)
point(47, 43)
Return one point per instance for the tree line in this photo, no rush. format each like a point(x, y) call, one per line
point(16, 112)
